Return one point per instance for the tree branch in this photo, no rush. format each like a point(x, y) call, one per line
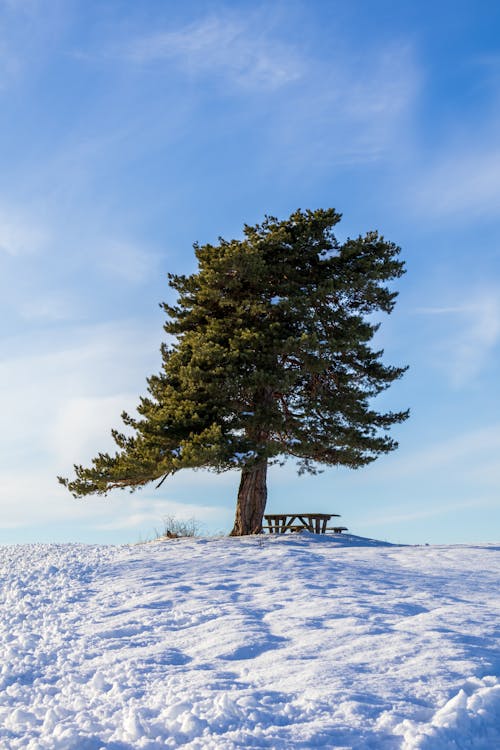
point(162, 480)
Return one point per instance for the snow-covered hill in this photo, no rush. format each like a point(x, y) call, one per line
point(286, 642)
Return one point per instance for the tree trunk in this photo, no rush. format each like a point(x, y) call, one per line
point(252, 496)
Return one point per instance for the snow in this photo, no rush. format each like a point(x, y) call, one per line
point(296, 641)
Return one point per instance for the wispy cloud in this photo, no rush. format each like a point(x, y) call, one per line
point(9, 64)
point(60, 403)
point(127, 261)
point(471, 338)
point(48, 306)
point(345, 106)
point(36, 499)
point(19, 234)
point(394, 516)
point(60, 395)
point(146, 512)
point(230, 46)
point(83, 423)
point(451, 310)
point(60, 399)
point(463, 183)
point(354, 109)
point(28, 29)
point(461, 454)
point(41, 380)
point(480, 338)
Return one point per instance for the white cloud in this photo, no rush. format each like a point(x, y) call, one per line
point(47, 307)
point(83, 424)
point(453, 480)
point(468, 347)
point(349, 110)
point(381, 85)
point(83, 363)
point(20, 234)
point(127, 261)
point(394, 516)
point(480, 338)
point(143, 511)
point(460, 456)
point(463, 183)
point(444, 310)
point(28, 29)
point(60, 402)
point(36, 499)
point(240, 50)
point(9, 64)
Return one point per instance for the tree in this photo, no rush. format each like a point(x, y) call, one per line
point(271, 358)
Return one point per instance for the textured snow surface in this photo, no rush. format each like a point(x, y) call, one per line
point(286, 642)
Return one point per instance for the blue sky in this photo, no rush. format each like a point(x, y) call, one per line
point(130, 130)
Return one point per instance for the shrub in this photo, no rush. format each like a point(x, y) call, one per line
point(175, 528)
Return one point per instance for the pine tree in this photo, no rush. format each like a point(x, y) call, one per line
point(271, 359)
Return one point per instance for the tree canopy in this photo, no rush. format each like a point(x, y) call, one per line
point(270, 356)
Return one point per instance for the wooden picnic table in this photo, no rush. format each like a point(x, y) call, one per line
point(317, 523)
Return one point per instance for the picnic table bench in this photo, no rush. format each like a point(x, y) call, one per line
point(317, 523)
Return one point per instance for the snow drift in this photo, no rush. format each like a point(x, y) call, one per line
point(257, 642)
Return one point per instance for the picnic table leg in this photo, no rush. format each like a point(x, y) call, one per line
point(307, 524)
point(291, 522)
